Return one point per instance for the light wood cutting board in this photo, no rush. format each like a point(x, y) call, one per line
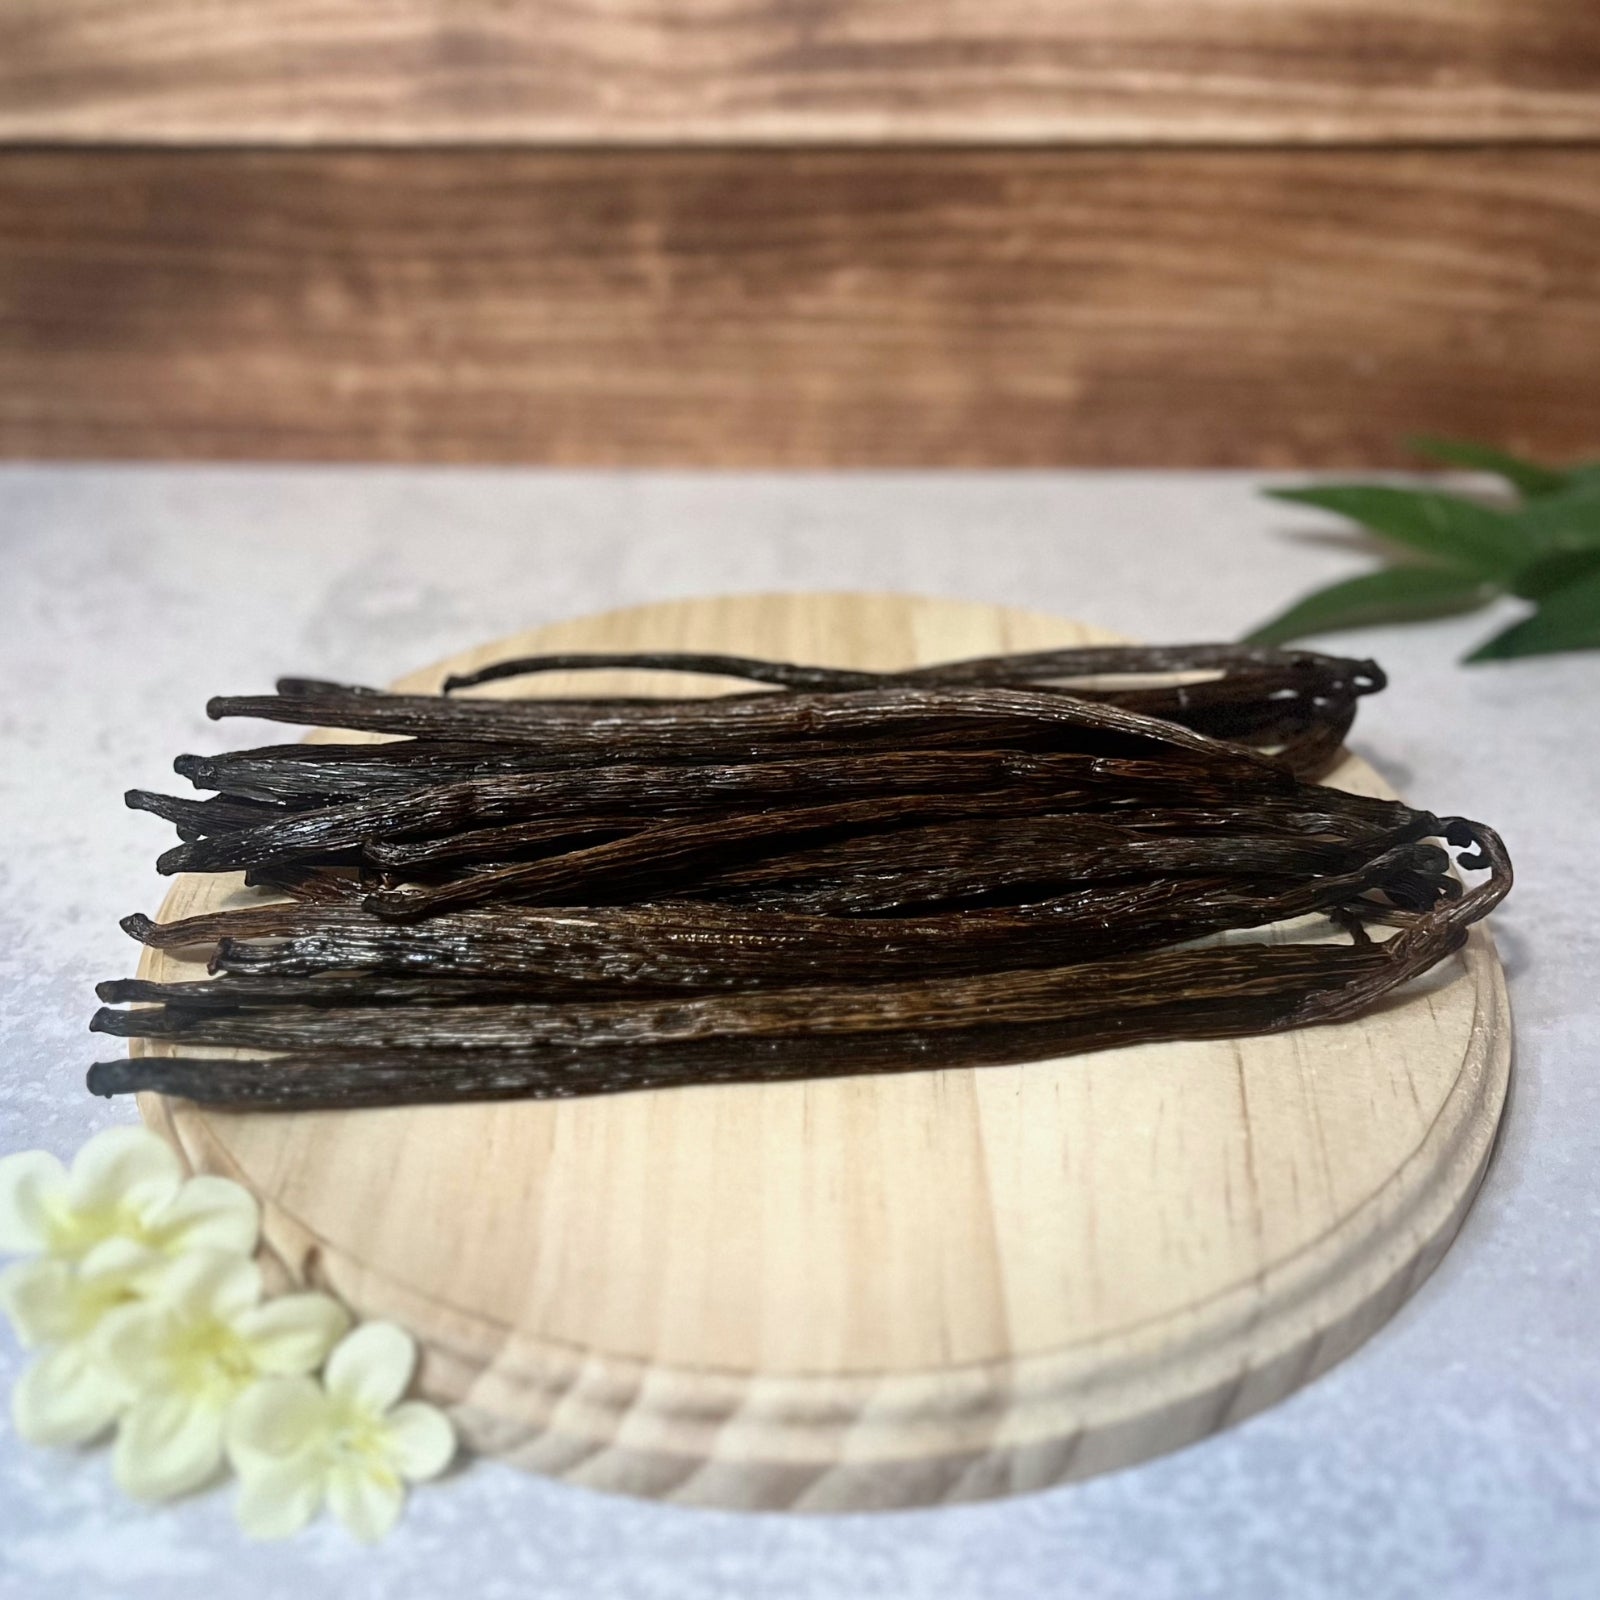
point(898, 1290)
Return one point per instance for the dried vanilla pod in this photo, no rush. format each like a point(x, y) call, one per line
point(836, 872)
point(554, 1051)
point(1298, 699)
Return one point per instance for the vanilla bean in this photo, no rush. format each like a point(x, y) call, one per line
point(835, 872)
point(195, 819)
point(706, 946)
point(1303, 701)
point(1215, 993)
point(748, 728)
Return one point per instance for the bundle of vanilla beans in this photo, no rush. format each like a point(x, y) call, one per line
point(831, 872)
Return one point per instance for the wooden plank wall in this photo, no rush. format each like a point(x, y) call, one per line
point(398, 230)
point(798, 71)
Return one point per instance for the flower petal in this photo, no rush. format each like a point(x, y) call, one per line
point(372, 1366)
point(275, 1419)
point(134, 1342)
point(128, 1166)
point(278, 1500)
point(210, 1213)
point(120, 1263)
point(167, 1445)
point(41, 1299)
point(293, 1333)
point(365, 1498)
point(31, 1183)
point(209, 1283)
point(66, 1397)
point(422, 1443)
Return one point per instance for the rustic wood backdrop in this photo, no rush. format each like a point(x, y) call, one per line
point(798, 232)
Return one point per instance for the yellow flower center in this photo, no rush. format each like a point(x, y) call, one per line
point(357, 1434)
point(212, 1363)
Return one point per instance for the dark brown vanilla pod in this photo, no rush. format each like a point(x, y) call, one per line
point(535, 798)
point(512, 840)
point(1301, 701)
point(878, 874)
point(832, 873)
point(751, 728)
point(1318, 980)
point(322, 773)
point(678, 858)
point(1069, 666)
point(664, 860)
point(834, 1011)
point(241, 992)
point(709, 947)
point(315, 885)
point(245, 922)
point(195, 819)
point(553, 1051)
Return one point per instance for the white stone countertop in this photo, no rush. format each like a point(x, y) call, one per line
point(1456, 1454)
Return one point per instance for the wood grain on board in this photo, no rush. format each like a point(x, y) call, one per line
point(767, 308)
point(798, 71)
point(892, 1290)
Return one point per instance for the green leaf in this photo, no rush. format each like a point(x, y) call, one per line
point(1556, 570)
point(1447, 529)
point(1567, 619)
point(1396, 594)
point(1569, 520)
point(1528, 476)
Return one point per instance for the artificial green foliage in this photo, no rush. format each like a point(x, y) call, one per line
point(1457, 554)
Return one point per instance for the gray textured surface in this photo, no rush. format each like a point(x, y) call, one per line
point(1458, 1454)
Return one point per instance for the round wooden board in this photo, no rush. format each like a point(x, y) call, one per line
point(899, 1290)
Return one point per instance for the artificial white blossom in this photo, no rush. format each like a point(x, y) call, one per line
point(125, 1183)
point(186, 1355)
point(98, 1236)
point(69, 1395)
point(349, 1441)
point(140, 1293)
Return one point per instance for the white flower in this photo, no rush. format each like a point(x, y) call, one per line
point(295, 1443)
point(125, 1183)
point(69, 1395)
point(187, 1354)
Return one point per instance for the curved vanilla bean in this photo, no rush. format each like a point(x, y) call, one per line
point(609, 793)
point(1322, 977)
point(836, 872)
point(1008, 998)
point(708, 947)
point(1302, 701)
point(320, 773)
point(348, 1077)
point(1267, 991)
point(657, 861)
point(315, 885)
point(195, 819)
point(750, 728)
point(1023, 667)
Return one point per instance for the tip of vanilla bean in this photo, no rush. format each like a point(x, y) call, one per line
point(174, 860)
point(109, 1078)
point(138, 926)
point(199, 770)
point(122, 1024)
